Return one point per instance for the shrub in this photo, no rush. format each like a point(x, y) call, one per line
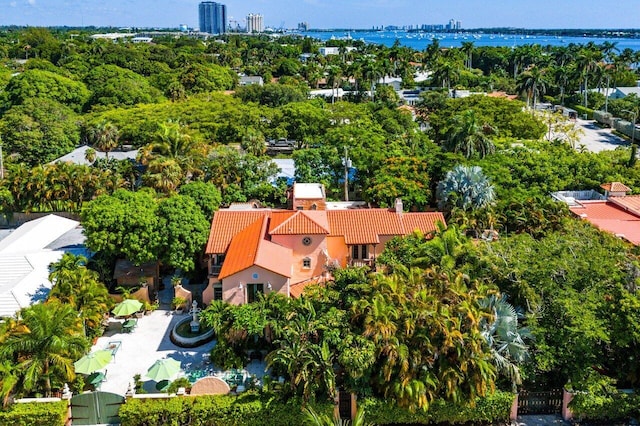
point(248, 409)
point(489, 409)
point(35, 414)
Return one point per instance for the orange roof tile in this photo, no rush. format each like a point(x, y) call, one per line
point(296, 290)
point(249, 247)
point(424, 222)
point(364, 226)
point(277, 218)
point(226, 224)
point(243, 249)
point(630, 203)
point(615, 187)
point(608, 216)
point(303, 223)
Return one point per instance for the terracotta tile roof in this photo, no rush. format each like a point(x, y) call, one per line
point(303, 223)
point(364, 226)
point(249, 248)
point(608, 216)
point(226, 224)
point(296, 290)
point(424, 222)
point(277, 218)
point(630, 203)
point(615, 187)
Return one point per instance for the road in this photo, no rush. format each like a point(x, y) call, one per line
point(596, 139)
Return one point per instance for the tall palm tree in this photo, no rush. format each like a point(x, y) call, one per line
point(467, 48)
point(534, 83)
point(587, 62)
point(45, 353)
point(445, 73)
point(104, 136)
point(469, 137)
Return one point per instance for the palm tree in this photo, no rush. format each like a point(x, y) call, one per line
point(587, 61)
point(314, 419)
point(104, 136)
point(79, 287)
point(533, 83)
point(505, 338)
point(45, 353)
point(467, 48)
point(445, 73)
point(469, 137)
point(466, 188)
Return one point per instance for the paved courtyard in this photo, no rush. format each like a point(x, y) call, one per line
point(148, 342)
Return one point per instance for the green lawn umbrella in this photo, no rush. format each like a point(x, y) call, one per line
point(92, 362)
point(163, 369)
point(127, 307)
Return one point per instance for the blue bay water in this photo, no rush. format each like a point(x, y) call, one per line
point(420, 41)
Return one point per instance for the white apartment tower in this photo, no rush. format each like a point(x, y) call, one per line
point(255, 23)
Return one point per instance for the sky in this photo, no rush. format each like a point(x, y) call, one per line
point(349, 14)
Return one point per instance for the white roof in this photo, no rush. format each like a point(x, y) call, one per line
point(286, 168)
point(25, 260)
point(78, 156)
point(308, 191)
point(36, 234)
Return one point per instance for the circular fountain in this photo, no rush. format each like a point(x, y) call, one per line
point(189, 332)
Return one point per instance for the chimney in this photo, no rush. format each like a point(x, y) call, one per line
point(399, 206)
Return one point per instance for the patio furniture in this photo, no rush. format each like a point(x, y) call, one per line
point(129, 325)
point(95, 379)
point(92, 362)
point(113, 346)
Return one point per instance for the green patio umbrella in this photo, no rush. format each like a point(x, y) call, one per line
point(163, 369)
point(127, 307)
point(93, 362)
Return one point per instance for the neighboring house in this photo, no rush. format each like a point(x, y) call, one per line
point(78, 156)
point(286, 170)
point(248, 80)
point(614, 212)
point(618, 92)
point(263, 250)
point(25, 255)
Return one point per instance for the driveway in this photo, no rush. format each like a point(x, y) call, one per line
point(596, 139)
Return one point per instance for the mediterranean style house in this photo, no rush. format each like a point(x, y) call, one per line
point(254, 250)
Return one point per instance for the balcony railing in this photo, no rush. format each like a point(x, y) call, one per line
point(371, 263)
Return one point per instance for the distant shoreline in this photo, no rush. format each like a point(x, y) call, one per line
point(564, 32)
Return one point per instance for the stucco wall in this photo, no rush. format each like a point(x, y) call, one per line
point(233, 294)
point(338, 249)
point(300, 252)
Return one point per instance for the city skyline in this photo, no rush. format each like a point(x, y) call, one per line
point(326, 13)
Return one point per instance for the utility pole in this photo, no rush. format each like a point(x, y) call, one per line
point(346, 173)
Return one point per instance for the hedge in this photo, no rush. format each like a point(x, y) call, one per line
point(582, 110)
point(248, 409)
point(605, 407)
point(490, 409)
point(35, 414)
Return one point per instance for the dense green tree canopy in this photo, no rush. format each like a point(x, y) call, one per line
point(115, 86)
point(124, 224)
point(39, 84)
point(39, 130)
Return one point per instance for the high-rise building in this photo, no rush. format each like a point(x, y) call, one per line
point(213, 17)
point(255, 23)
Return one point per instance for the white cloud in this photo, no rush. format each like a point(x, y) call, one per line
point(31, 2)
